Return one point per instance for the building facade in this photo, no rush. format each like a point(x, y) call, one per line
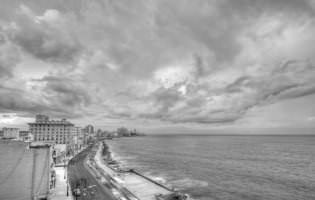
point(78, 138)
point(89, 130)
point(51, 131)
point(10, 133)
point(25, 136)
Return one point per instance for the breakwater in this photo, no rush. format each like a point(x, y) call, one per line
point(110, 162)
point(132, 183)
point(151, 180)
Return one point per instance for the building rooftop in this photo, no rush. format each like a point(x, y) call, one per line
point(52, 123)
point(44, 120)
point(7, 128)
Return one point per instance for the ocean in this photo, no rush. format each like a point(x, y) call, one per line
point(225, 167)
point(16, 166)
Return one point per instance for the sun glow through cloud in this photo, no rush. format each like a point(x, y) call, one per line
point(159, 63)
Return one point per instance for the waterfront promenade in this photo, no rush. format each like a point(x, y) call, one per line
point(138, 186)
point(68, 174)
point(90, 174)
point(82, 177)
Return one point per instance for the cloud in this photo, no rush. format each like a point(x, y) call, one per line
point(64, 96)
point(203, 62)
point(15, 100)
point(9, 57)
point(55, 96)
point(311, 118)
point(65, 91)
point(46, 37)
point(226, 102)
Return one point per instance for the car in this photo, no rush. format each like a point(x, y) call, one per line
point(77, 192)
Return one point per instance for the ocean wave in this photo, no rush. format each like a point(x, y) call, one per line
point(129, 161)
point(123, 161)
point(157, 178)
point(189, 183)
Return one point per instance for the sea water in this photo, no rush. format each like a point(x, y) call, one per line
point(225, 167)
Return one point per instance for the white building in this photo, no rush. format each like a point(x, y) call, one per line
point(78, 138)
point(89, 130)
point(25, 136)
point(10, 133)
point(51, 131)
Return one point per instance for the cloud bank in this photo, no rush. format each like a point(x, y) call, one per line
point(167, 62)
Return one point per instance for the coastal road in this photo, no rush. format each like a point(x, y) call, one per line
point(79, 174)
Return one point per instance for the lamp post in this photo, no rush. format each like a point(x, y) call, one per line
point(66, 175)
point(64, 165)
point(67, 188)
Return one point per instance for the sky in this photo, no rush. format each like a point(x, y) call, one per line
point(159, 65)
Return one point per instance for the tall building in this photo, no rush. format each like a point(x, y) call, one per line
point(78, 139)
point(89, 129)
point(78, 135)
point(12, 133)
point(51, 131)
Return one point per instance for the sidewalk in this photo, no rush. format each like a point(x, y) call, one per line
point(60, 191)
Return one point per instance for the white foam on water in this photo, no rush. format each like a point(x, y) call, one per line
point(189, 183)
point(156, 178)
point(121, 160)
point(160, 178)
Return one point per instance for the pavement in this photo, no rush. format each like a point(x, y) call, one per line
point(60, 191)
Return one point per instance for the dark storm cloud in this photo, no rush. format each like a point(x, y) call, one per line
point(293, 79)
point(166, 98)
point(65, 92)
point(9, 56)
point(206, 62)
point(5, 71)
point(15, 100)
point(45, 37)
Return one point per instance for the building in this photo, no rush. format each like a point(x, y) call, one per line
point(89, 130)
point(89, 134)
point(25, 136)
point(78, 138)
point(51, 131)
point(10, 133)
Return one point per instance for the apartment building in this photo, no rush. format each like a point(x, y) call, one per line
point(51, 131)
point(10, 133)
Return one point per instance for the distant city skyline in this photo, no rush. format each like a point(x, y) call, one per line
point(160, 66)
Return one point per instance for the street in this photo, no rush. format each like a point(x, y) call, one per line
point(80, 177)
